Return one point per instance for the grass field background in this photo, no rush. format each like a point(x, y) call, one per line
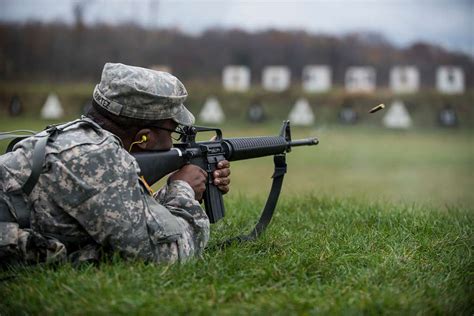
point(370, 221)
point(320, 255)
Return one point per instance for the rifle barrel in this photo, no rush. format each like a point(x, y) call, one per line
point(305, 142)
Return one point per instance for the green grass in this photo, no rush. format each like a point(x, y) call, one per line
point(320, 255)
point(370, 221)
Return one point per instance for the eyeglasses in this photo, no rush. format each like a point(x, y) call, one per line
point(176, 134)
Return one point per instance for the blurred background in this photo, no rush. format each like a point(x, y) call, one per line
point(248, 65)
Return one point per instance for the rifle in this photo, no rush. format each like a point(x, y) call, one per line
point(155, 165)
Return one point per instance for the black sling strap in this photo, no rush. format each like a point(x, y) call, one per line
point(267, 213)
point(39, 153)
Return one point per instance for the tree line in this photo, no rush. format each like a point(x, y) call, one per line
point(60, 52)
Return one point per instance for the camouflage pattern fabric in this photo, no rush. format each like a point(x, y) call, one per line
point(89, 200)
point(142, 93)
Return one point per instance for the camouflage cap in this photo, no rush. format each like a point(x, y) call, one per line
point(142, 93)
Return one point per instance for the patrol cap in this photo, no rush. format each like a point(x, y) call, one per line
point(142, 93)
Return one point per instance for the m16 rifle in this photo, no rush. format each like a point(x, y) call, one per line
point(155, 165)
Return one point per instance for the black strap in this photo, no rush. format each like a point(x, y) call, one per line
point(39, 153)
point(267, 213)
point(14, 142)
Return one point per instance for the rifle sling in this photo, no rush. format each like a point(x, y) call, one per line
point(267, 213)
point(39, 153)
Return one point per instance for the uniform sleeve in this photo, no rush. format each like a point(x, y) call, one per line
point(178, 197)
point(99, 187)
point(15, 168)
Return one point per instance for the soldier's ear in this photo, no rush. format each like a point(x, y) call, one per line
point(144, 139)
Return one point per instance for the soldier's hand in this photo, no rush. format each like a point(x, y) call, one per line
point(221, 176)
point(195, 176)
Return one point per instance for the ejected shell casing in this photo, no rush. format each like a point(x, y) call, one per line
point(377, 108)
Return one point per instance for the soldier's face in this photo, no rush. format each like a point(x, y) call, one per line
point(162, 137)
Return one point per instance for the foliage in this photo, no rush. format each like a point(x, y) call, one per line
point(58, 52)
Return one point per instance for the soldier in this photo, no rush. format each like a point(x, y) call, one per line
point(87, 198)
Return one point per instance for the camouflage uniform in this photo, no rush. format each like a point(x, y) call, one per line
point(89, 198)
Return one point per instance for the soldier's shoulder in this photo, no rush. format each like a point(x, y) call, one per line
point(82, 135)
point(68, 135)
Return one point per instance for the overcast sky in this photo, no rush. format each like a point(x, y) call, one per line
point(444, 22)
